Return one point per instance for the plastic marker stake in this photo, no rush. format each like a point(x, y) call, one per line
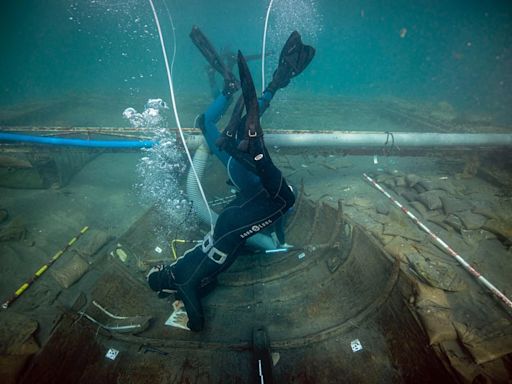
point(504, 299)
point(260, 370)
point(278, 250)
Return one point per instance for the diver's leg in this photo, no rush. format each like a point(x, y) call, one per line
point(251, 152)
point(208, 125)
point(214, 89)
point(264, 101)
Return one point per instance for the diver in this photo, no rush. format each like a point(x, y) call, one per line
point(297, 56)
point(194, 274)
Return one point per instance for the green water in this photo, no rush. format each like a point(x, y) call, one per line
point(96, 57)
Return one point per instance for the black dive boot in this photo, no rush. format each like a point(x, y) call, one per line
point(294, 58)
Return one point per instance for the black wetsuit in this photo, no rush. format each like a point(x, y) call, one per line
point(241, 219)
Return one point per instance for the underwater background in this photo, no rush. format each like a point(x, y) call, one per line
point(101, 56)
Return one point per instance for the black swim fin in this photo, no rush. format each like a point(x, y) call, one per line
point(210, 54)
point(250, 152)
point(253, 140)
point(294, 58)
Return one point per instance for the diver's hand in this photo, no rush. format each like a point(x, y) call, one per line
point(179, 317)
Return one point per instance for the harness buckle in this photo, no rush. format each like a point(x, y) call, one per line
point(215, 252)
point(207, 243)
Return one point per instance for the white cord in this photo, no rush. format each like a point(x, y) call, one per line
point(264, 47)
point(173, 36)
point(175, 109)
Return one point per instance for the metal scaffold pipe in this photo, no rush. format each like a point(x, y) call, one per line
point(341, 140)
point(352, 139)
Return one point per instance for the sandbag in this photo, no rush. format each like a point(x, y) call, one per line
point(452, 204)
point(435, 313)
point(471, 220)
point(13, 230)
point(436, 273)
point(431, 199)
point(70, 272)
point(487, 343)
point(89, 245)
point(17, 345)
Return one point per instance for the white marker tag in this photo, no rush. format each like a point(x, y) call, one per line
point(158, 250)
point(356, 345)
point(112, 354)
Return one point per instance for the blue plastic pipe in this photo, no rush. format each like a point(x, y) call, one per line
point(76, 142)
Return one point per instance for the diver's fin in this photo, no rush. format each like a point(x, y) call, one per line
point(294, 58)
point(236, 116)
point(210, 54)
point(253, 127)
point(206, 48)
point(252, 141)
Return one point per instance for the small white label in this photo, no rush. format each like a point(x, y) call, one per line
point(112, 354)
point(356, 345)
point(158, 250)
point(301, 255)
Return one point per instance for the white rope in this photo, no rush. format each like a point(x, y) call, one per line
point(173, 36)
point(264, 48)
point(175, 109)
